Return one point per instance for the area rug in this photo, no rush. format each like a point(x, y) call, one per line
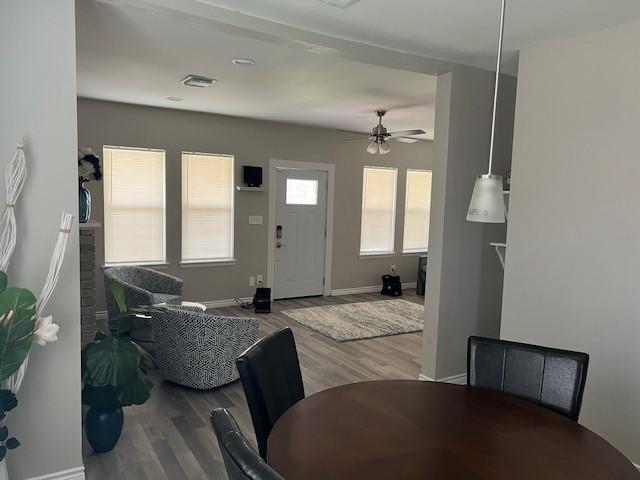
point(357, 321)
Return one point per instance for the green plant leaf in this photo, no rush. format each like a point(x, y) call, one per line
point(4, 281)
point(3, 452)
point(136, 392)
point(13, 356)
point(147, 362)
point(16, 299)
point(112, 361)
point(100, 397)
point(100, 336)
point(4, 433)
point(118, 294)
point(12, 443)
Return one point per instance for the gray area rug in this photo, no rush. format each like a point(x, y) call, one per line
point(356, 321)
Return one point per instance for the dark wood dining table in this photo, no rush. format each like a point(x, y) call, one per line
point(406, 430)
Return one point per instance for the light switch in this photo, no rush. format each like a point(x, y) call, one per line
point(255, 219)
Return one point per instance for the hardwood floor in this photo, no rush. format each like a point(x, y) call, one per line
point(169, 438)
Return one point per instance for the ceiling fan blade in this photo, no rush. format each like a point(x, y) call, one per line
point(405, 139)
point(354, 139)
point(407, 133)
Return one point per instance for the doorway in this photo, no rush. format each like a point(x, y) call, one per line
point(300, 229)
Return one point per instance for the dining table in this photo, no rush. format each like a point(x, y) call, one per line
point(410, 430)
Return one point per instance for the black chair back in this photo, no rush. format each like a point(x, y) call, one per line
point(240, 459)
point(552, 378)
point(272, 382)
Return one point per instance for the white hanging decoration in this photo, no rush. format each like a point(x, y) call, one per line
point(15, 175)
point(14, 382)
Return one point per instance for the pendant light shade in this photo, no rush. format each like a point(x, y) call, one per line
point(487, 201)
point(384, 148)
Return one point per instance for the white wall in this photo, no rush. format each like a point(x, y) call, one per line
point(573, 261)
point(464, 275)
point(37, 100)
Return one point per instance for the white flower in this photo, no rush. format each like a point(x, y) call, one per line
point(46, 331)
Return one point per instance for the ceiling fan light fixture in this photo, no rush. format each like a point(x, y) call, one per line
point(383, 148)
point(372, 148)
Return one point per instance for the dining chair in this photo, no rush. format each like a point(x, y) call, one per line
point(552, 378)
point(240, 459)
point(272, 382)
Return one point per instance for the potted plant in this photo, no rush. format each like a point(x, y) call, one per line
point(114, 373)
point(88, 170)
point(19, 327)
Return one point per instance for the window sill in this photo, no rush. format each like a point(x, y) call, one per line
point(208, 263)
point(378, 255)
point(155, 266)
point(415, 254)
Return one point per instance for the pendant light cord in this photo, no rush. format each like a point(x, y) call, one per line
point(495, 97)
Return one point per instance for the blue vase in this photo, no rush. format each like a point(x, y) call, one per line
point(103, 428)
point(85, 204)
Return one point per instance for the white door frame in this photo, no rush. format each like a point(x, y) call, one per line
point(274, 166)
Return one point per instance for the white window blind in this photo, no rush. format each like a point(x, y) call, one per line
point(207, 207)
point(134, 206)
point(377, 232)
point(417, 211)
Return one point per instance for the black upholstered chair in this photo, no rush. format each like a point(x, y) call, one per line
point(240, 459)
point(272, 382)
point(552, 378)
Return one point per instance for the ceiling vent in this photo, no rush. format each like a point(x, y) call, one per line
point(197, 81)
point(343, 4)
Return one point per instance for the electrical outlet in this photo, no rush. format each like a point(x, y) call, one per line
point(252, 281)
point(393, 268)
point(259, 279)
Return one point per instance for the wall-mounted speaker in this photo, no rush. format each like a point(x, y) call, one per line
point(252, 176)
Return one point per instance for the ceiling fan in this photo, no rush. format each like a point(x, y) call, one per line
point(380, 135)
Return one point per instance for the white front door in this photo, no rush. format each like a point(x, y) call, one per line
point(300, 235)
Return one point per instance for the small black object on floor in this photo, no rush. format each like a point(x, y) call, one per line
point(391, 285)
point(262, 300)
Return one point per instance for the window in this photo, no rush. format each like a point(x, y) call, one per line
point(302, 192)
point(207, 207)
point(377, 232)
point(417, 211)
point(134, 206)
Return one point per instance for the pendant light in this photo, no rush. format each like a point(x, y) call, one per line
point(487, 201)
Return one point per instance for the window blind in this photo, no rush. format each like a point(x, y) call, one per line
point(207, 207)
point(377, 234)
point(417, 211)
point(134, 205)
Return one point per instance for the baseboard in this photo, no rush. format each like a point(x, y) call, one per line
point(370, 289)
point(460, 379)
point(71, 474)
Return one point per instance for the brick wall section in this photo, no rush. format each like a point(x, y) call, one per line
point(87, 283)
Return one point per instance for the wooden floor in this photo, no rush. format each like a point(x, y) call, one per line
point(169, 438)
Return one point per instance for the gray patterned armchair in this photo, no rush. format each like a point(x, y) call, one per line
point(198, 350)
point(142, 287)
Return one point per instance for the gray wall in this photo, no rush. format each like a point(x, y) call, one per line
point(37, 100)
point(253, 142)
point(571, 279)
point(464, 275)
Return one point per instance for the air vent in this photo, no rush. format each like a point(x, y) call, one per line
point(198, 81)
point(343, 4)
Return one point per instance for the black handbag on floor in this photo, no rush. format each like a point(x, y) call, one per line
point(391, 286)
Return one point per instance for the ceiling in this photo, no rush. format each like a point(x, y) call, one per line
point(134, 55)
point(316, 64)
point(461, 31)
